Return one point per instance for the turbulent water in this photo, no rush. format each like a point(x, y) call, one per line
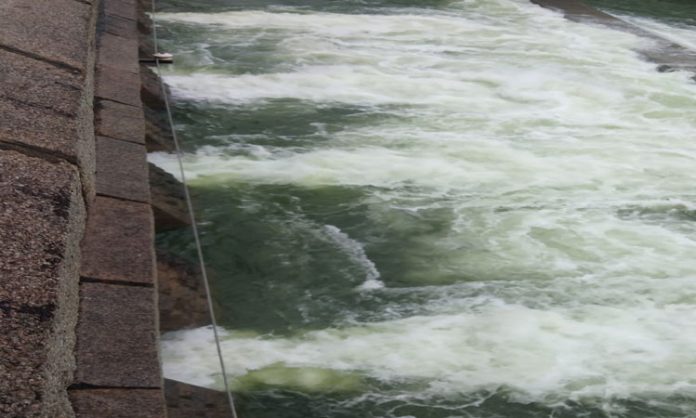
point(437, 209)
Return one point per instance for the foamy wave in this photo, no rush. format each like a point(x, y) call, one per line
point(559, 166)
point(356, 252)
point(589, 353)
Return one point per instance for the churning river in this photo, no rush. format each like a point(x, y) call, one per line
point(436, 209)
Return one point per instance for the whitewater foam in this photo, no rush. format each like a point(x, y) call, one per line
point(539, 178)
point(356, 252)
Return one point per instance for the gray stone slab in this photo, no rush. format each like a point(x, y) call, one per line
point(118, 242)
point(118, 26)
point(117, 337)
point(119, 121)
point(38, 84)
point(158, 135)
point(118, 403)
point(60, 31)
point(122, 8)
point(118, 52)
point(122, 170)
point(118, 86)
point(41, 222)
point(47, 109)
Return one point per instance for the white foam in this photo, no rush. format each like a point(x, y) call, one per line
point(560, 164)
point(543, 355)
point(356, 252)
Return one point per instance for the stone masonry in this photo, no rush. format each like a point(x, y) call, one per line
point(46, 181)
point(78, 297)
point(117, 354)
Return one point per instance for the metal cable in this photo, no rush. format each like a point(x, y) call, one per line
point(192, 216)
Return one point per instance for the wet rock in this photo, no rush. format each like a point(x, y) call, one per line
point(151, 89)
point(158, 136)
point(118, 86)
point(146, 48)
point(664, 68)
point(168, 200)
point(64, 38)
point(182, 300)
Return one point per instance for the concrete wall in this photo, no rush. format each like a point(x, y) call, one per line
point(46, 181)
point(78, 308)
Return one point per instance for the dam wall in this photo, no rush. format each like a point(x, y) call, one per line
point(78, 294)
point(47, 184)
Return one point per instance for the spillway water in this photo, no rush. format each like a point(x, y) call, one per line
point(437, 208)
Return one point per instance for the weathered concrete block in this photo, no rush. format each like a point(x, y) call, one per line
point(118, 403)
point(118, 86)
point(60, 31)
point(48, 109)
point(118, 243)
point(126, 9)
point(41, 222)
point(122, 170)
point(168, 200)
point(117, 336)
point(119, 121)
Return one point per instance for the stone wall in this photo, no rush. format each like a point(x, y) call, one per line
point(117, 335)
point(78, 297)
point(46, 181)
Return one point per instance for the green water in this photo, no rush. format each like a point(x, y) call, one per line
point(683, 11)
point(437, 208)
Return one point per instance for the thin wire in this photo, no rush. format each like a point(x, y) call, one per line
point(192, 216)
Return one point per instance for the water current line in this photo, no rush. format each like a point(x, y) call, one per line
point(192, 215)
